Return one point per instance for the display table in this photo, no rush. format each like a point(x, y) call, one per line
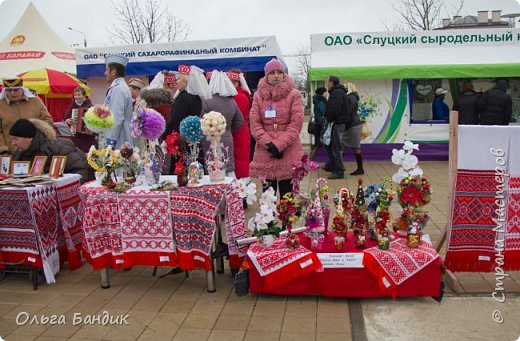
point(160, 228)
point(352, 281)
point(39, 226)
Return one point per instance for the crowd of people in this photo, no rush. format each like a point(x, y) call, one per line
point(272, 118)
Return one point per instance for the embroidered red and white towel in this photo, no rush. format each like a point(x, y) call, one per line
point(71, 214)
point(394, 266)
point(279, 265)
point(146, 228)
point(44, 209)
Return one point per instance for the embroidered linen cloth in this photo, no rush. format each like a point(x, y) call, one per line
point(44, 209)
point(71, 213)
point(143, 226)
point(279, 265)
point(512, 228)
point(394, 266)
point(484, 156)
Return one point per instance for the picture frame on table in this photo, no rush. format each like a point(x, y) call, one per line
point(57, 167)
point(38, 165)
point(20, 168)
point(5, 164)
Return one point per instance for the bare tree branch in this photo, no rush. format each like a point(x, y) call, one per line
point(138, 22)
point(423, 14)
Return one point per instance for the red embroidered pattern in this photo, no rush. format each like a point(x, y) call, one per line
point(146, 222)
point(401, 262)
point(473, 211)
point(270, 259)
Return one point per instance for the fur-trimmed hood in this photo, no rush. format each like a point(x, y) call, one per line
point(156, 97)
point(275, 92)
point(45, 128)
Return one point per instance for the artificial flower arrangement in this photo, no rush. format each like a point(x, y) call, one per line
point(131, 162)
point(344, 205)
point(378, 198)
point(190, 129)
point(262, 224)
point(300, 170)
point(147, 126)
point(98, 118)
point(105, 162)
point(359, 216)
point(246, 190)
point(175, 145)
point(213, 125)
point(409, 164)
point(413, 192)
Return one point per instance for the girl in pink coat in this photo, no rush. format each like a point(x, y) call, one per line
point(276, 121)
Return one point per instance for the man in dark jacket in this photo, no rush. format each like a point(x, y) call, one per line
point(466, 104)
point(495, 106)
point(34, 137)
point(335, 113)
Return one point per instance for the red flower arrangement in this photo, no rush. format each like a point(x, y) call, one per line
point(175, 146)
point(288, 209)
point(415, 192)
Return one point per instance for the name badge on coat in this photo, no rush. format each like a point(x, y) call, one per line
point(270, 112)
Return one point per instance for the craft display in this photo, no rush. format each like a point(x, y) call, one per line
point(413, 194)
point(99, 119)
point(359, 216)
point(344, 205)
point(213, 125)
point(175, 145)
point(190, 129)
point(147, 126)
point(300, 170)
point(131, 163)
point(322, 191)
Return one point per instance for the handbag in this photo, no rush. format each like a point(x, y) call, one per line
point(314, 128)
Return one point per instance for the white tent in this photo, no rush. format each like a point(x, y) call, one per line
point(32, 44)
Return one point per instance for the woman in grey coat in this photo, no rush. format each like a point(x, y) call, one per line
point(222, 101)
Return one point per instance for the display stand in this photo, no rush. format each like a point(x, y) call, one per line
point(451, 279)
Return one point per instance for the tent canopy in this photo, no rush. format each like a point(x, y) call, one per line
point(248, 54)
point(416, 55)
point(32, 44)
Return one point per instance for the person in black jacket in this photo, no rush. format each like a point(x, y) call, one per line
point(466, 104)
point(35, 137)
point(352, 136)
point(184, 105)
point(335, 114)
point(495, 106)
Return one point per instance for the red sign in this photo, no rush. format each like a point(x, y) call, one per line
point(21, 55)
point(64, 55)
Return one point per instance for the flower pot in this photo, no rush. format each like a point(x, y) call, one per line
point(241, 283)
point(383, 244)
point(339, 241)
point(267, 240)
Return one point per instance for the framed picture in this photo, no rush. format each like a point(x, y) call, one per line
point(38, 165)
point(5, 164)
point(57, 166)
point(20, 168)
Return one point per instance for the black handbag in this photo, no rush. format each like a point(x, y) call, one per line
point(314, 128)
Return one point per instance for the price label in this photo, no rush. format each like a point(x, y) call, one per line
point(341, 260)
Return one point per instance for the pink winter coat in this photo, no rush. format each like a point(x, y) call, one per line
point(283, 130)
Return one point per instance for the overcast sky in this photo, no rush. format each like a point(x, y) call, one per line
point(291, 21)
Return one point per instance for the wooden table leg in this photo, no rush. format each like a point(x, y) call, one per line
point(105, 280)
point(35, 273)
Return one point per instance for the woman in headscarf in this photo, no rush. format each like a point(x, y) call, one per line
point(276, 123)
point(192, 87)
point(222, 101)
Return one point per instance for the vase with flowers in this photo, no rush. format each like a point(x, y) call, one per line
point(190, 129)
point(213, 125)
point(147, 126)
point(99, 119)
point(175, 145)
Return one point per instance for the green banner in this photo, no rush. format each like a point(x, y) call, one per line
point(418, 71)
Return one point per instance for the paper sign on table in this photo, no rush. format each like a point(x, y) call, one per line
point(341, 260)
